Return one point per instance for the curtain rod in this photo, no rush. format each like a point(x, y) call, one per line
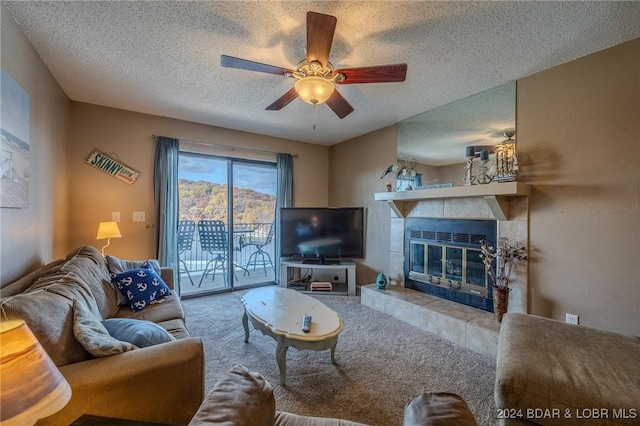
point(232, 148)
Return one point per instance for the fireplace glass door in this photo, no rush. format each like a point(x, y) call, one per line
point(475, 273)
point(454, 264)
point(417, 258)
point(457, 268)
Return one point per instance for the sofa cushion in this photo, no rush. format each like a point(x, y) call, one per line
point(437, 409)
point(137, 332)
point(289, 419)
point(550, 365)
point(117, 266)
point(239, 398)
point(93, 336)
point(169, 309)
point(87, 262)
point(142, 287)
point(176, 328)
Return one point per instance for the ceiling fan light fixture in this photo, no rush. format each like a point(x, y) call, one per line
point(316, 75)
point(314, 90)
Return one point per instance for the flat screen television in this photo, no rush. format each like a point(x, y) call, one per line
point(322, 235)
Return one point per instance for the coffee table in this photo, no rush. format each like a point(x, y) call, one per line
point(277, 312)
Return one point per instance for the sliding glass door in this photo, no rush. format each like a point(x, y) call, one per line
point(254, 209)
point(225, 230)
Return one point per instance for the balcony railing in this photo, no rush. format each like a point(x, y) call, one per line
point(244, 233)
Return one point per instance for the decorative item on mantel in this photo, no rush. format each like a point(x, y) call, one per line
point(505, 256)
point(391, 168)
point(506, 160)
point(468, 171)
point(381, 281)
point(483, 176)
point(404, 172)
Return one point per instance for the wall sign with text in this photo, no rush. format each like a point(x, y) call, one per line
point(113, 167)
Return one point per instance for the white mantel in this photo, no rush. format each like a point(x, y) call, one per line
point(495, 195)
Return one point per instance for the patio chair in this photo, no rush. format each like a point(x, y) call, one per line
point(186, 229)
point(260, 257)
point(213, 239)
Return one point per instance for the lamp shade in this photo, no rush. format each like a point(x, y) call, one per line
point(108, 230)
point(32, 386)
point(314, 90)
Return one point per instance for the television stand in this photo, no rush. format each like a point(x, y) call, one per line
point(346, 289)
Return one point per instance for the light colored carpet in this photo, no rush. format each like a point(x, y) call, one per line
point(381, 363)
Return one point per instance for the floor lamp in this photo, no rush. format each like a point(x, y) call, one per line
point(108, 230)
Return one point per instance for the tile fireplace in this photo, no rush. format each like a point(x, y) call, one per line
point(442, 259)
point(503, 205)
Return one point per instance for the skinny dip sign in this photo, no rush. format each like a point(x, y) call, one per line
point(112, 167)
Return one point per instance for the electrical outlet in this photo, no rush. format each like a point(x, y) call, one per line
point(138, 217)
point(115, 216)
point(572, 318)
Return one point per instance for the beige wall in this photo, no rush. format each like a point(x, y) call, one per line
point(37, 234)
point(354, 176)
point(579, 144)
point(579, 148)
point(128, 136)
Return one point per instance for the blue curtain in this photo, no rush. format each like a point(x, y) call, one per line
point(165, 186)
point(284, 196)
point(284, 166)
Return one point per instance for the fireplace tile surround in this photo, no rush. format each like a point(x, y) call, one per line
point(470, 327)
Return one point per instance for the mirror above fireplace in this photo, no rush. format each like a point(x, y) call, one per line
point(439, 137)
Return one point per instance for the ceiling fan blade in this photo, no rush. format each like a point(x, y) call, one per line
point(283, 100)
point(376, 74)
point(339, 105)
point(244, 64)
point(320, 29)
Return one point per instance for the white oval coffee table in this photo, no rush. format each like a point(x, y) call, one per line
point(278, 312)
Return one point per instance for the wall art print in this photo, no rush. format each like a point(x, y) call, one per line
point(14, 145)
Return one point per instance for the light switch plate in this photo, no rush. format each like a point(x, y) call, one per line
point(139, 216)
point(115, 216)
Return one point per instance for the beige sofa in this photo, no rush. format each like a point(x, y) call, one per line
point(245, 398)
point(552, 373)
point(159, 383)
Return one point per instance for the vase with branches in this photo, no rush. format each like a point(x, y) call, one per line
point(505, 255)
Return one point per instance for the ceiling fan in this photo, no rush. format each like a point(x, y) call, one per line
point(315, 75)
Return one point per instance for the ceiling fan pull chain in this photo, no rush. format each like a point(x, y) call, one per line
point(315, 124)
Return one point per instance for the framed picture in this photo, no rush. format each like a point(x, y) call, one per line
point(14, 144)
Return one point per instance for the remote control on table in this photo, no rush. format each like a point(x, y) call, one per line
point(306, 323)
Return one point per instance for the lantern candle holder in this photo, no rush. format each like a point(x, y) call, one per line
point(506, 161)
point(483, 177)
point(468, 170)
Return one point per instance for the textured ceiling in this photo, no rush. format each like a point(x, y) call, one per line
point(163, 58)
